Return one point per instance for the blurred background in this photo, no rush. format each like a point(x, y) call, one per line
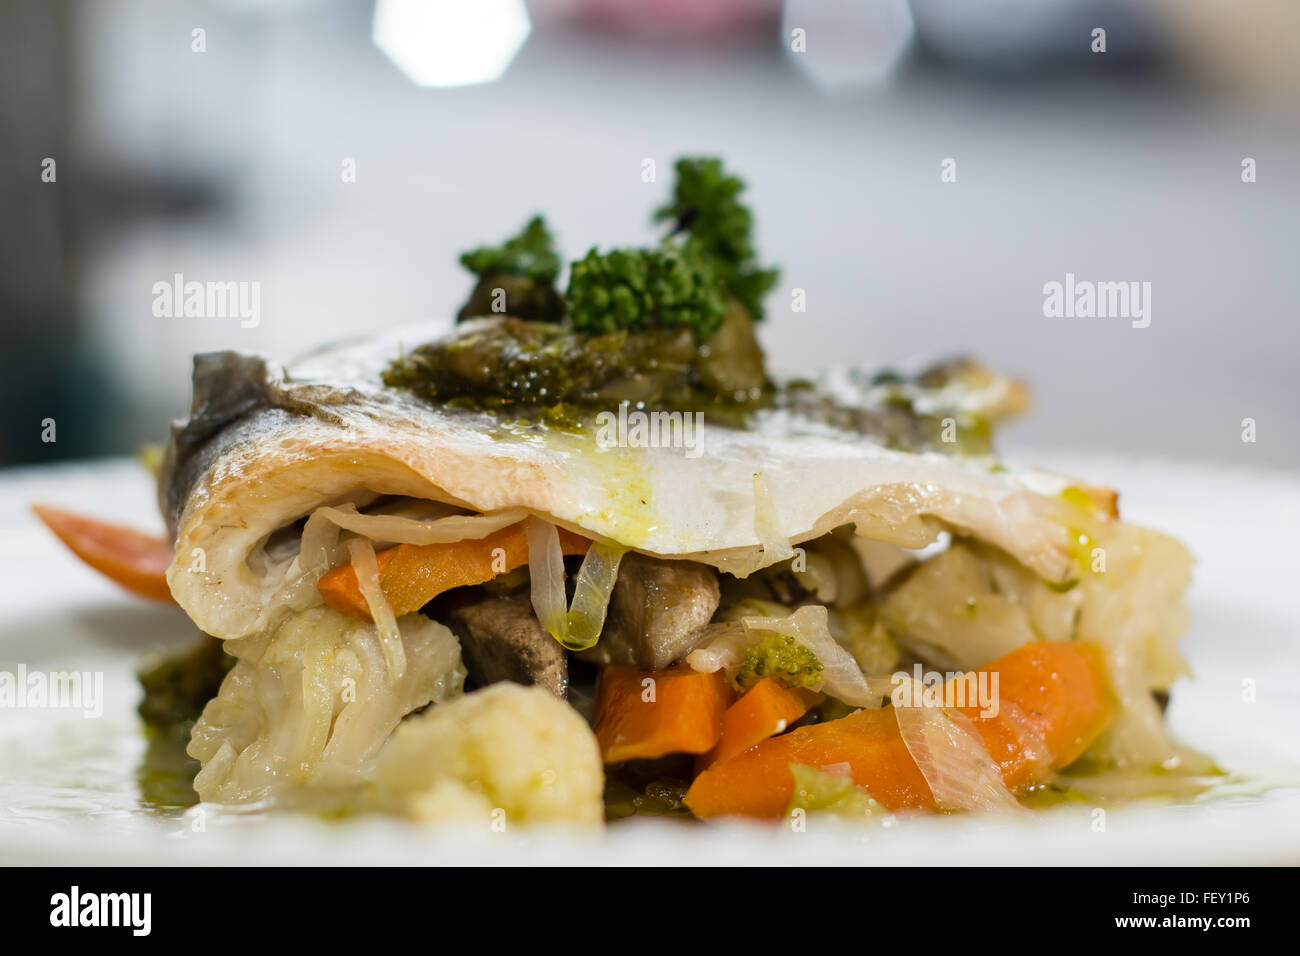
point(341, 153)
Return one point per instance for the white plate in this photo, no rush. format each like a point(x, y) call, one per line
point(69, 794)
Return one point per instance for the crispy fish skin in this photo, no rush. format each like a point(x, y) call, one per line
point(265, 446)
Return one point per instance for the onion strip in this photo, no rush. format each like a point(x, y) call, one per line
point(381, 612)
point(591, 593)
point(398, 529)
point(576, 627)
point(546, 571)
point(952, 758)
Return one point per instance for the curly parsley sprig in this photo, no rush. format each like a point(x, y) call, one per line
point(530, 255)
point(706, 206)
point(684, 282)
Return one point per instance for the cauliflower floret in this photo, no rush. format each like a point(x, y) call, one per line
point(506, 749)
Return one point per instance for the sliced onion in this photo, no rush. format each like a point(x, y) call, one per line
point(546, 571)
point(318, 551)
point(319, 542)
point(398, 529)
point(722, 647)
point(381, 612)
point(317, 701)
point(952, 758)
point(577, 627)
point(591, 593)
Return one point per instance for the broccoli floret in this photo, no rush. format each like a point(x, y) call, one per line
point(782, 657)
point(706, 206)
point(671, 286)
point(517, 277)
point(530, 255)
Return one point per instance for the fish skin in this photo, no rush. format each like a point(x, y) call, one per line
point(227, 387)
point(236, 398)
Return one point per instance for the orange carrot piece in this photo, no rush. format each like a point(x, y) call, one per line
point(758, 782)
point(413, 575)
point(766, 709)
point(136, 561)
point(645, 714)
point(1060, 701)
point(1060, 689)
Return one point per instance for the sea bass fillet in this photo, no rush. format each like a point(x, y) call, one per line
point(266, 445)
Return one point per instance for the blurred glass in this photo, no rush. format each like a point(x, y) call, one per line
point(451, 43)
point(854, 42)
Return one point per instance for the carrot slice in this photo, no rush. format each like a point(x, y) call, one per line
point(1059, 689)
point(1060, 699)
point(766, 709)
point(758, 782)
point(646, 714)
point(413, 575)
point(136, 561)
